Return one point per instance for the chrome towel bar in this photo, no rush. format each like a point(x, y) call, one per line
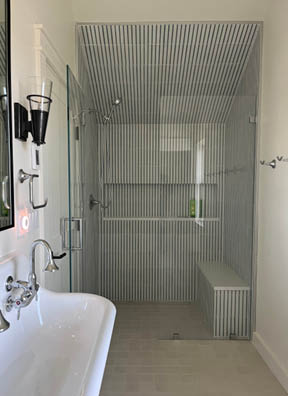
point(22, 176)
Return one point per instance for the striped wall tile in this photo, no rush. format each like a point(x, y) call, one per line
point(4, 160)
point(227, 308)
point(3, 57)
point(149, 245)
point(180, 85)
point(154, 260)
point(166, 73)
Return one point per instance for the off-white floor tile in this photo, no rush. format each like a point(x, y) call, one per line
point(143, 361)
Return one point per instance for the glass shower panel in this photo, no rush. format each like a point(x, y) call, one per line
point(176, 170)
point(84, 185)
point(54, 169)
point(73, 225)
point(150, 242)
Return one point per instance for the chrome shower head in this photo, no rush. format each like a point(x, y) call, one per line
point(117, 101)
point(107, 118)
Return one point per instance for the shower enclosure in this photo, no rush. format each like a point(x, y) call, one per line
point(162, 185)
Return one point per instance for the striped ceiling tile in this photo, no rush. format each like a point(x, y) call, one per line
point(166, 73)
point(3, 46)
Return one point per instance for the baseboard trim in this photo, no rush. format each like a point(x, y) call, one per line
point(271, 360)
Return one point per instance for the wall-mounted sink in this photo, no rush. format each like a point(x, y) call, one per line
point(58, 347)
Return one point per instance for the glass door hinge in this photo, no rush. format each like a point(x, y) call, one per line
point(77, 134)
point(252, 119)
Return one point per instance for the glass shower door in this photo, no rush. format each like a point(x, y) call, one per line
point(81, 228)
point(73, 225)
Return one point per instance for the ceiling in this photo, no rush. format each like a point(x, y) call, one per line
point(166, 73)
point(106, 11)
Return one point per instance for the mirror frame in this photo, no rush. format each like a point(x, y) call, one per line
point(9, 112)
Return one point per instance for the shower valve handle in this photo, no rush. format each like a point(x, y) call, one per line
point(93, 202)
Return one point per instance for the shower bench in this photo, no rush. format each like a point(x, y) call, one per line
point(224, 299)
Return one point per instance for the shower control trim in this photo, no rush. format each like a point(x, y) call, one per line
point(93, 202)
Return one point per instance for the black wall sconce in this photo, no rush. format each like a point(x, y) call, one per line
point(39, 104)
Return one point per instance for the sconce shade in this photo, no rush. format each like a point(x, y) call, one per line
point(39, 103)
point(39, 110)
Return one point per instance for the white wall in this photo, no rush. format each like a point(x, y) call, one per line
point(56, 17)
point(272, 292)
point(167, 10)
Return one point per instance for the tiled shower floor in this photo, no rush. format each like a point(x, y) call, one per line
point(143, 361)
point(159, 321)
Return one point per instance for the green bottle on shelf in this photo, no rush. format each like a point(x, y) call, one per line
point(193, 206)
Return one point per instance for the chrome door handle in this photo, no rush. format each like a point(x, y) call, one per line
point(76, 230)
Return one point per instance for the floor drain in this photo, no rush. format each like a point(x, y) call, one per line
point(176, 336)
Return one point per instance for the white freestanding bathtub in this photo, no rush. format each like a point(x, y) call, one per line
point(58, 347)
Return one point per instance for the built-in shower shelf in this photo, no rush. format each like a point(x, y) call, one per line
point(159, 183)
point(191, 219)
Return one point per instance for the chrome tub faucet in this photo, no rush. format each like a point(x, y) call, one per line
point(22, 293)
point(50, 263)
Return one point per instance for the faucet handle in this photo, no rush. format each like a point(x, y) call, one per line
point(58, 257)
point(14, 303)
point(18, 313)
point(8, 284)
point(19, 284)
point(21, 294)
point(19, 299)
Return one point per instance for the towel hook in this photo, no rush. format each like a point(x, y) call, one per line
point(282, 159)
point(22, 176)
point(271, 163)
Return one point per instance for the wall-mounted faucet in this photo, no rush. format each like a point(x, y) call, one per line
point(23, 292)
point(50, 263)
